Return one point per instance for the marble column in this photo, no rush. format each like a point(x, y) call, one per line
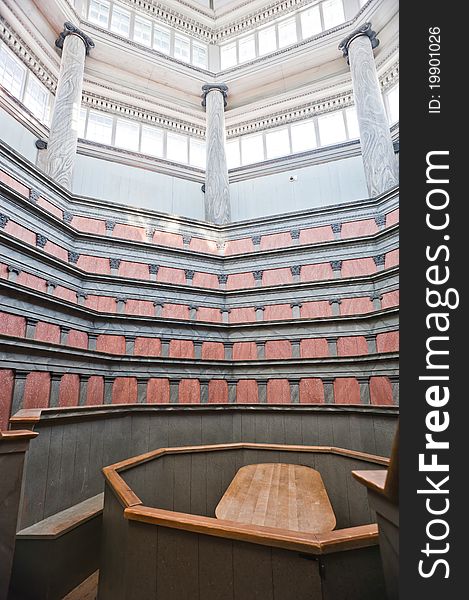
point(62, 144)
point(379, 160)
point(217, 190)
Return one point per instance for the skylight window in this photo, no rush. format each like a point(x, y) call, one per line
point(120, 21)
point(199, 55)
point(352, 123)
point(127, 134)
point(12, 73)
point(182, 48)
point(142, 31)
point(197, 156)
point(277, 143)
point(152, 142)
point(99, 127)
point(36, 98)
point(303, 136)
point(247, 48)
point(287, 33)
point(393, 104)
point(161, 39)
point(99, 12)
point(233, 157)
point(252, 149)
point(332, 128)
point(311, 22)
point(177, 147)
point(333, 13)
point(267, 40)
point(228, 56)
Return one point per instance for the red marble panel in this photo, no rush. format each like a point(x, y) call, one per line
point(278, 349)
point(69, 391)
point(169, 275)
point(77, 339)
point(124, 390)
point(244, 351)
point(3, 271)
point(65, 294)
point(175, 311)
point(352, 346)
point(358, 228)
point(277, 312)
point(129, 232)
point(12, 325)
point(392, 218)
point(47, 332)
point(381, 391)
point(390, 299)
point(20, 233)
point(346, 390)
point(312, 310)
point(316, 272)
point(239, 281)
point(95, 390)
point(213, 351)
point(313, 235)
point(311, 391)
point(134, 269)
point(57, 251)
point(213, 315)
point(242, 315)
point(276, 240)
point(206, 280)
point(37, 390)
point(89, 225)
point(388, 342)
point(181, 349)
point(31, 281)
point(241, 246)
point(104, 304)
point(165, 238)
point(357, 267)
point(218, 391)
point(111, 344)
point(158, 391)
point(200, 245)
point(189, 391)
point(391, 259)
point(314, 348)
point(356, 306)
point(143, 308)
point(277, 277)
point(94, 264)
point(145, 346)
point(6, 394)
point(246, 392)
point(14, 184)
point(278, 391)
point(46, 205)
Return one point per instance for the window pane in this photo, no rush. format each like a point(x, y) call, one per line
point(267, 40)
point(228, 56)
point(152, 141)
point(176, 148)
point(82, 123)
point(232, 154)
point(36, 98)
point(182, 48)
point(161, 39)
point(199, 55)
point(393, 102)
point(332, 128)
point(277, 143)
point(247, 48)
point(142, 31)
point(252, 149)
point(197, 153)
point(333, 13)
point(352, 123)
point(127, 134)
point(99, 128)
point(287, 33)
point(310, 22)
point(99, 12)
point(120, 21)
point(12, 73)
point(303, 136)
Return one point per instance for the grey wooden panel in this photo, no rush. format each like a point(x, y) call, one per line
point(252, 572)
point(334, 477)
point(82, 457)
point(237, 426)
point(341, 431)
point(360, 513)
point(325, 429)
point(385, 429)
point(184, 430)
point(199, 483)
point(95, 483)
point(215, 568)
point(158, 432)
point(276, 427)
point(221, 468)
point(35, 479)
point(141, 561)
point(293, 429)
point(217, 428)
point(310, 428)
point(362, 433)
point(139, 434)
point(295, 577)
point(182, 482)
point(248, 427)
point(177, 567)
point(51, 502)
point(67, 464)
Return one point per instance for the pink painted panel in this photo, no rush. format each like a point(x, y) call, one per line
point(129, 232)
point(357, 267)
point(316, 234)
point(95, 391)
point(169, 275)
point(77, 339)
point(314, 348)
point(65, 294)
point(311, 391)
point(165, 238)
point(381, 391)
point(104, 304)
point(392, 259)
point(6, 394)
point(143, 308)
point(189, 391)
point(213, 351)
point(277, 277)
point(212, 315)
point(111, 344)
point(346, 390)
point(312, 310)
point(145, 346)
point(278, 349)
point(358, 228)
point(158, 391)
point(241, 246)
point(47, 332)
point(175, 311)
point(316, 272)
point(89, 225)
point(200, 245)
point(14, 184)
point(352, 346)
point(246, 392)
point(390, 299)
point(244, 351)
point(31, 281)
point(277, 312)
point(124, 390)
point(239, 281)
point(206, 280)
point(12, 325)
point(242, 315)
point(218, 391)
point(57, 251)
point(69, 390)
point(94, 264)
point(276, 240)
point(356, 306)
point(3, 271)
point(181, 349)
point(388, 342)
point(20, 233)
point(46, 205)
point(392, 218)
point(278, 391)
point(135, 270)
point(37, 390)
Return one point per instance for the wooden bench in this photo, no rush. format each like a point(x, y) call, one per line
point(70, 543)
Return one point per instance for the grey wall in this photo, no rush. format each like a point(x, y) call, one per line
point(17, 136)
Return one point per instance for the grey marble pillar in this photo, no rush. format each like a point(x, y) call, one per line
point(83, 394)
point(62, 144)
point(380, 163)
point(18, 391)
point(55, 380)
point(217, 190)
point(232, 390)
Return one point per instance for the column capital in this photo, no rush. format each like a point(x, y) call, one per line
point(364, 29)
point(71, 29)
point(220, 87)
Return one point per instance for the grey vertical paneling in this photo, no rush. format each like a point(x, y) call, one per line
point(215, 568)
point(82, 459)
point(198, 483)
point(184, 431)
point(217, 429)
point(159, 432)
point(177, 568)
point(142, 558)
point(293, 429)
point(252, 572)
point(294, 577)
point(334, 477)
point(95, 482)
point(182, 482)
point(51, 502)
point(341, 431)
point(325, 435)
point(359, 509)
point(385, 429)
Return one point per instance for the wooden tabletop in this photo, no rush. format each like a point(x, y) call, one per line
point(278, 495)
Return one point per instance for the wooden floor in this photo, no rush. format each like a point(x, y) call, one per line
point(87, 590)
